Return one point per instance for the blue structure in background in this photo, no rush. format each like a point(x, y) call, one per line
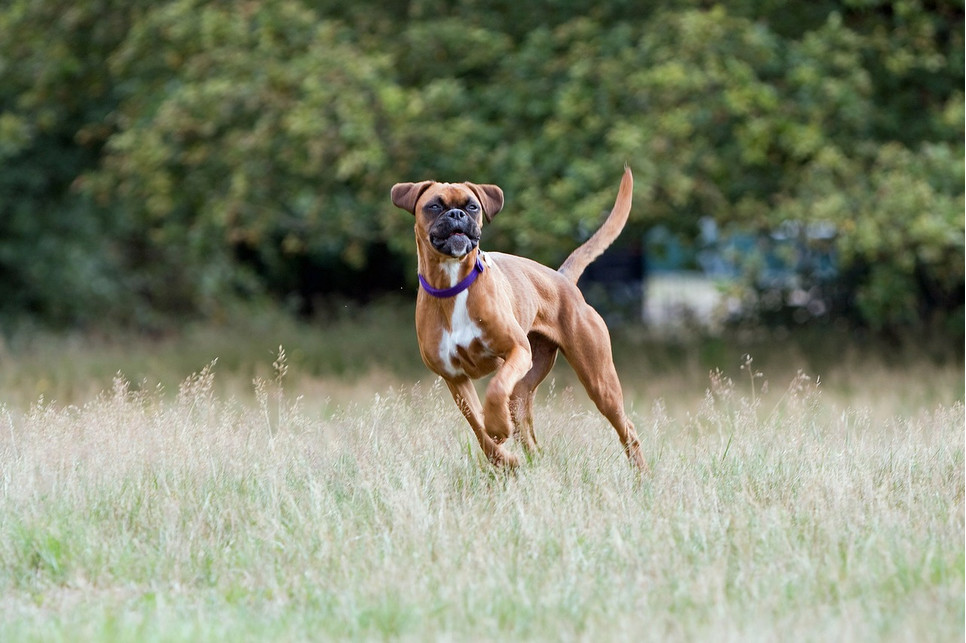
point(719, 276)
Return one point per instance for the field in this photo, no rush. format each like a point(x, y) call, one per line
point(332, 491)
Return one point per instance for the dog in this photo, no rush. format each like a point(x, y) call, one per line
point(480, 313)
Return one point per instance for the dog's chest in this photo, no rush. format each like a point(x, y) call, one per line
point(462, 348)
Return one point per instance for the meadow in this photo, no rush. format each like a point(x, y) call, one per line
point(220, 487)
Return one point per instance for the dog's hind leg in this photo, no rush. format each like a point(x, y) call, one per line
point(588, 351)
point(521, 403)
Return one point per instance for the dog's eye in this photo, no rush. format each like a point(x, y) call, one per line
point(472, 207)
point(434, 207)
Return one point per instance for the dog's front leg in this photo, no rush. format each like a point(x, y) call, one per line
point(464, 393)
point(497, 415)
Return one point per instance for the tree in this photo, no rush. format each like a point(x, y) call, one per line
point(58, 257)
point(159, 159)
point(257, 133)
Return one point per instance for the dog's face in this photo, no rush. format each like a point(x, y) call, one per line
point(449, 215)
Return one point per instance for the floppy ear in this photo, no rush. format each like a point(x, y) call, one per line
point(405, 195)
point(491, 198)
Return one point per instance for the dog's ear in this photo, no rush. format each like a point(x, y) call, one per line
point(405, 195)
point(491, 198)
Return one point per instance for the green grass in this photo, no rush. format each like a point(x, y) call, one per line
point(353, 343)
point(318, 505)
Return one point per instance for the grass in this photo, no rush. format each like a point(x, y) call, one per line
point(776, 509)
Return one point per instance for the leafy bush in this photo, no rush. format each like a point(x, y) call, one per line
point(165, 157)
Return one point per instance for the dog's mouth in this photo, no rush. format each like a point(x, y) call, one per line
point(454, 241)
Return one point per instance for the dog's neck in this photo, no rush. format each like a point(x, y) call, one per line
point(438, 274)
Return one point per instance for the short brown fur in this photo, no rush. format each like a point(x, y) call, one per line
point(511, 321)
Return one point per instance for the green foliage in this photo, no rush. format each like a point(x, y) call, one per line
point(59, 256)
point(901, 224)
point(165, 157)
point(258, 130)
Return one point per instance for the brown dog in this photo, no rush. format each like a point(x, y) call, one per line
point(478, 313)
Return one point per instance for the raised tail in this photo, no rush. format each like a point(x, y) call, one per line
point(580, 258)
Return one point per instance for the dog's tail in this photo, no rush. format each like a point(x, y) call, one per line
point(580, 258)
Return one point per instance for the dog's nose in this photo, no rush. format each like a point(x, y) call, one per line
point(456, 214)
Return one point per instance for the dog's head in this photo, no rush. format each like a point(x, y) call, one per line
point(449, 215)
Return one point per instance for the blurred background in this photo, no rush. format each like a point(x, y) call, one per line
point(797, 164)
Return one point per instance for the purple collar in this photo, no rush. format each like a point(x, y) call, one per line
point(443, 293)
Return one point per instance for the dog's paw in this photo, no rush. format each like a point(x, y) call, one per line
point(498, 434)
point(504, 460)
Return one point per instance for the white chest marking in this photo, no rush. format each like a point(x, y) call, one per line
point(463, 330)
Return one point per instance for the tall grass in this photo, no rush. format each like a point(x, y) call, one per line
point(771, 513)
point(355, 351)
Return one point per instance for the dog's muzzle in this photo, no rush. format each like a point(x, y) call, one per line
point(455, 233)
